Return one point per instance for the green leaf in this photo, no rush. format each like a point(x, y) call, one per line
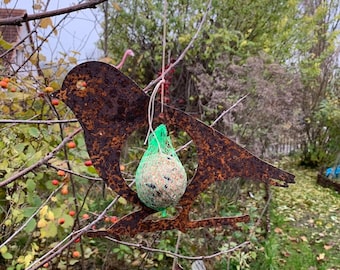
point(28, 211)
point(30, 226)
point(34, 200)
point(30, 185)
point(7, 256)
point(20, 147)
point(34, 132)
point(68, 221)
point(49, 231)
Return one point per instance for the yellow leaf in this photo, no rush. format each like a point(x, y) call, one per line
point(7, 1)
point(34, 58)
point(55, 85)
point(3, 249)
point(49, 231)
point(43, 211)
point(45, 22)
point(72, 60)
point(42, 223)
point(116, 6)
point(107, 60)
point(122, 201)
point(243, 43)
point(28, 259)
point(21, 259)
point(4, 44)
point(5, 109)
point(50, 215)
point(34, 246)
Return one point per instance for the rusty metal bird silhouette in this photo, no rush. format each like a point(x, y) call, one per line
point(112, 106)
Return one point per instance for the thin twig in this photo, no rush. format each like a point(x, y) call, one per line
point(257, 223)
point(215, 122)
point(171, 66)
point(176, 255)
point(41, 161)
point(179, 234)
point(74, 173)
point(228, 110)
point(41, 122)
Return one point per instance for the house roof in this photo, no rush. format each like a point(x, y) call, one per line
point(10, 33)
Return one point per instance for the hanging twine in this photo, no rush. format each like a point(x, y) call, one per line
point(151, 107)
point(161, 179)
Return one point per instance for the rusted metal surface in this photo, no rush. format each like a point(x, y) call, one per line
point(110, 106)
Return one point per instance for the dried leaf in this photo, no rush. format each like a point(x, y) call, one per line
point(37, 6)
point(278, 230)
point(293, 239)
point(304, 238)
point(327, 247)
point(285, 253)
point(116, 6)
point(72, 60)
point(321, 257)
point(45, 22)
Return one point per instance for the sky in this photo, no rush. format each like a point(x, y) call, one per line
point(78, 32)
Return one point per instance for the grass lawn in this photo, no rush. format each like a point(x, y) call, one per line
point(305, 226)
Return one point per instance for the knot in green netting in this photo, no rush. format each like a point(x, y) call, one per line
point(160, 177)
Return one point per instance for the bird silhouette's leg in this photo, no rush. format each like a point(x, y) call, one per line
point(127, 225)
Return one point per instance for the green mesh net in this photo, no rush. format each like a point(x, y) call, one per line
point(160, 177)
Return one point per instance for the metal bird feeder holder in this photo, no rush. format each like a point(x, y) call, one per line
point(110, 106)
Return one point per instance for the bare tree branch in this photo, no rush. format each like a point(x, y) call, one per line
point(26, 17)
point(74, 173)
point(176, 255)
point(214, 123)
point(44, 122)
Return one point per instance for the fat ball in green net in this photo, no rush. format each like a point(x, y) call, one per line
point(160, 177)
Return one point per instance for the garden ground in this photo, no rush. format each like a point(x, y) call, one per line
point(305, 226)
